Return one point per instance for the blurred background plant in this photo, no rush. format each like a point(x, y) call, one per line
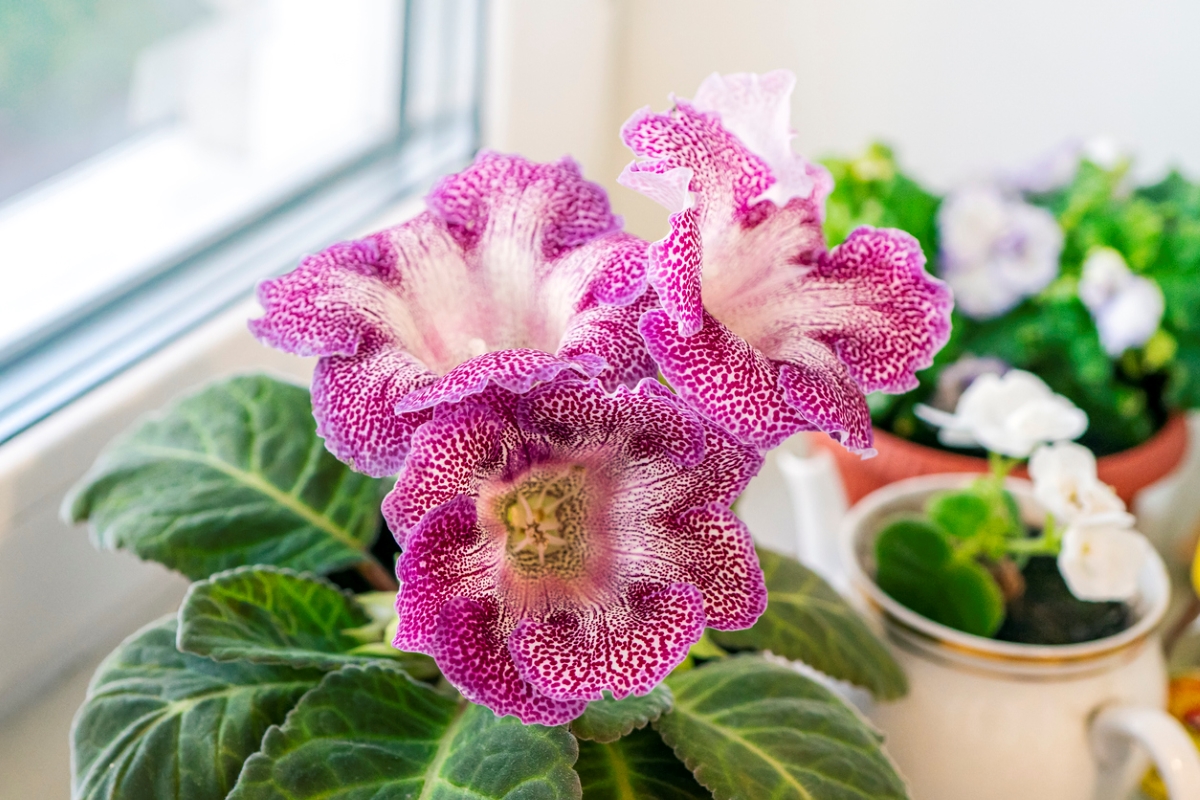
point(1107, 311)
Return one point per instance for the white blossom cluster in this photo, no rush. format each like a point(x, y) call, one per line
point(1019, 416)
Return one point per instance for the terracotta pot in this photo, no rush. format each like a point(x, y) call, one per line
point(1128, 472)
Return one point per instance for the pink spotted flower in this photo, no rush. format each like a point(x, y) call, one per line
point(516, 273)
point(762, 329)
point(570, 541)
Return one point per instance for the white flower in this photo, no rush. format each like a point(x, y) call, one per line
point(1010, 415)
point(1127, 308)
point(996, 250)
point(1102, 561)
point(954, 379)
point(1066, 485)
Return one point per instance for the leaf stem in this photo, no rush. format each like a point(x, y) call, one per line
point(376, 575)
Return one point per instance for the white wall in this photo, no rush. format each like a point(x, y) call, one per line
point(959, 88)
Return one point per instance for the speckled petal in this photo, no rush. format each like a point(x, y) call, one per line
point(447, 456)
point(353, 399)
point(447, 556)
point(509, 198)
point(626, 647)
point(470, 649)
point(819, 386)
point(726, 176)
point(787, 336)
point(725, 379)
point(324, 306)
point(512, 370)
point(872, 302)
point(710, 548)
point(610, 332)
point(675, 271)
point(757, 109)
point(644, 423)
point(735, 139)
point(611, 270)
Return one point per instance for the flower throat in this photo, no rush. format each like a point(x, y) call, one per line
point(545, 517)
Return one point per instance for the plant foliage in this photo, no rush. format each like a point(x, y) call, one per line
point(1155, 228)
point(274, 682)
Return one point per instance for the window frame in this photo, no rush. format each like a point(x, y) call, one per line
point(82, 349)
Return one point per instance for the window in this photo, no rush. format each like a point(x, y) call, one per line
point(159, 157)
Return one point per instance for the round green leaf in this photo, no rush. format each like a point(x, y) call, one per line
point(233, 475)
point(962, 514)
point(807, 620)
point(372, 732)
point(917, 566)
point(634, 767)
point(166, 725)
point(748, 728)
point(608, 720)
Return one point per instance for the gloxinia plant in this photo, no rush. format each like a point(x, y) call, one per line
point(971, 561)
point(566, 444)
point(1071, 272)
point(564, 552)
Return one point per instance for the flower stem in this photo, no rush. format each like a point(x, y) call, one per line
point(1000, 466)
point(1041, 546)
point(376, 575)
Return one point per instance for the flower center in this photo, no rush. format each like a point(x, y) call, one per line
point(545, 520)
point(533, 523)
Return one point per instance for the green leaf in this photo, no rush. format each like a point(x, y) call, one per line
point(230, 476)
point(166, 725)
point(270, 615)
point(748, 728)
point(918, 567)
point(961, 514)
point(371, 732)
point(806, 620)
point(608, 720)
point(635, 767)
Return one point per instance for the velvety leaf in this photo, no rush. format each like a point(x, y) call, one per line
point(371, 732)
point(270, 615)
point(806, 620)
point(637, 766)
point(167, 725)
point(230, 476)
point(960, 514)
point(748, 728)
point(918, 567)
point(608, 720)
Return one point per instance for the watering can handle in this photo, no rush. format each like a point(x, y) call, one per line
point(1169, 746)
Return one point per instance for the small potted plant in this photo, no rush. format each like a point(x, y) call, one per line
point(1027, 613)
point(578, 613)
point(1068, 271)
